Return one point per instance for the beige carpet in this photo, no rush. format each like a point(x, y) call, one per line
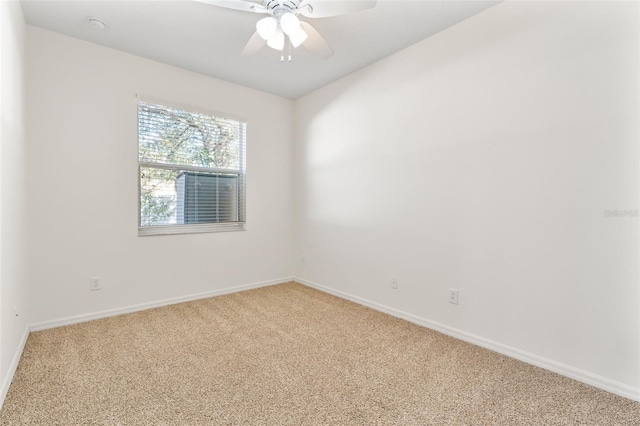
point(285, 355)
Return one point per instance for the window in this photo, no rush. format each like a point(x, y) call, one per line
point(191, 171)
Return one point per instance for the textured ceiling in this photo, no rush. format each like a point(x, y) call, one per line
point(208, 39)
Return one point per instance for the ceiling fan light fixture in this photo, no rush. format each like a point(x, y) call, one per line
point(282, 24)
point(289, 23)
point(267, 27)
point(276, 41)
point(298, 37)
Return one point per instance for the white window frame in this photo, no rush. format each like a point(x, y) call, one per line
point(176, 229)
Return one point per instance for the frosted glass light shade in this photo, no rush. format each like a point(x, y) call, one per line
point(276, 41)
point(298, 37)
point(289, 23)
point(267, 27)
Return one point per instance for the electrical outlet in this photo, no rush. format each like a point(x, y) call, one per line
point(453, 296)
point(394, 282)
point(95, 283)
point(303, 260)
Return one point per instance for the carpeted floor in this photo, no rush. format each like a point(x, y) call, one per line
point(285, 355)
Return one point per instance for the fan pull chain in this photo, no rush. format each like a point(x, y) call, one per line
point(289, 51)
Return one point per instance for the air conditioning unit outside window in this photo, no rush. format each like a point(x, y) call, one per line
point(206, 198)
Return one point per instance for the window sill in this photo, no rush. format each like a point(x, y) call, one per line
point(147, 231)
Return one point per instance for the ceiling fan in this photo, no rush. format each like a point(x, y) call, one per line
point(282, 27)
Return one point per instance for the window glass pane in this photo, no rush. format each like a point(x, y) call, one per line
point(178, 197)
point(157, 196)
point(172, 136)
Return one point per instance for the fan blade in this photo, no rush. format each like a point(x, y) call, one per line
point(254, 44)
point(315, 43)
point(244, 5)
point(326, 8)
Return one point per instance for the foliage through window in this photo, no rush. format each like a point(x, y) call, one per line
point(191, 171)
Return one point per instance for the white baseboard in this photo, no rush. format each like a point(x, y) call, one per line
point(542, 362)
point(143, 306)
point(13, 367)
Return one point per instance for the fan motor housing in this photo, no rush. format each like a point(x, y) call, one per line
point(272, 5)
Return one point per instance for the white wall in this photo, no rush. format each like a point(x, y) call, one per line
point(82, 152)
point(13, 271)
point(483, 159)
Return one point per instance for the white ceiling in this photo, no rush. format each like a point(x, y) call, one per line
point(208, 39)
